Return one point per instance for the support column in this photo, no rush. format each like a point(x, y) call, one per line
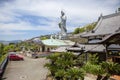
point(86, 57)
point(106, 51)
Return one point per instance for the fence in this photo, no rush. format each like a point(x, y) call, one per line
point(3, 64)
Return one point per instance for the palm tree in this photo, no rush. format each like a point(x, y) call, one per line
point(94, 69)
point(61, 66)
point(51, 65)
point(65, 60)
point(52, 68)
point(60, 74)
point(75, 74)
point(110, 68)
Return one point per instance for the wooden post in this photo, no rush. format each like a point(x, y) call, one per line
point(86, 57)
point(106, 51)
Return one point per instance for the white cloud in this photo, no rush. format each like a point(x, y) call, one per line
point(26, 26)
point(51, 8)
point(78, 12)
point(8, 32)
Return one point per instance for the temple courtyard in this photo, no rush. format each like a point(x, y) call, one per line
point(29, 69)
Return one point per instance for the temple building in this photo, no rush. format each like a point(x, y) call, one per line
point(106, 26)
point(103, 39)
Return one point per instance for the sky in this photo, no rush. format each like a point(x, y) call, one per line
point(25, 19)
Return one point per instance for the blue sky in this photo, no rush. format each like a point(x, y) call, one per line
point(24, 19)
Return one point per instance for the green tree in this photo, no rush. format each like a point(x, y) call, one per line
point(8, 48)
point(88, 27)
point(91, 26)
point(1, 48)
point(76, 31)
point(43, 38)
point(81, 30)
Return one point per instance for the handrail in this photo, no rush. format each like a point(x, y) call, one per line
point(3, 64)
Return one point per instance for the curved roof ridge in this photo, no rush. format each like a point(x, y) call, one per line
point(106, 25)
point(111, 15)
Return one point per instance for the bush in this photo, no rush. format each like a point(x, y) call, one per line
point(62, 66)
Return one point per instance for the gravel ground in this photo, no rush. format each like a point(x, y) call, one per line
point(90, 77)
point(29, 69)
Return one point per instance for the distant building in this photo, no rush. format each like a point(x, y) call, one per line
point(49, 44)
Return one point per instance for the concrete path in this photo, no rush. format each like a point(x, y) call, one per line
point(29, 69)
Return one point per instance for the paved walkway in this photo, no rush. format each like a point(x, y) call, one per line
point(29, 69)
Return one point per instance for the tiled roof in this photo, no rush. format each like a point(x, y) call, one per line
point(88, 48)
point(57, 42)
point(60, 49)
point(113, 38)
point(106, 25)
point(114, 47)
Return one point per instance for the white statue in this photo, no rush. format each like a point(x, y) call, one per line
point(62, 24)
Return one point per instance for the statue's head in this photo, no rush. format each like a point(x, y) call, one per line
point(62, 13)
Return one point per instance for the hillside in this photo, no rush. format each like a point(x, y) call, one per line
point(87, 27)
point(76, 33)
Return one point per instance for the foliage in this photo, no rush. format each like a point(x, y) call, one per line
point(62, 66)
point(6, 48)
point(93, 58)
point(88, 27)
point(111, 67)
point(27, 45)
point(1, 48)
point(93, 69)
point(53, 57)
point(75, 74)
point(76, 31)
point(9, 48)
point(43, 38)
point(81, 30)
point(61, 74)
point(105, 69)
point(2, 58)
point(91, 26)
point(2, 53)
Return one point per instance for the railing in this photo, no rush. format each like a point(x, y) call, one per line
point(3, 64)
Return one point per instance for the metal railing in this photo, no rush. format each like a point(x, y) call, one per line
point(3, 64)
